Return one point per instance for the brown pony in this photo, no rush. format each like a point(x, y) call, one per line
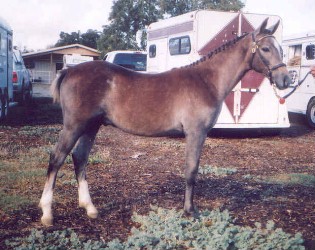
point(187, 100)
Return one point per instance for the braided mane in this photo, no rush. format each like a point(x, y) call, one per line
point(216, 51)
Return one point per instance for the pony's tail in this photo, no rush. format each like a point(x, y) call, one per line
point(55, 86)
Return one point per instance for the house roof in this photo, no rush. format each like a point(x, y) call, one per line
point(62, 50)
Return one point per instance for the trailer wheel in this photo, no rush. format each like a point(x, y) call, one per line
point(4, 106)
point(310, 113)
point(1, 99)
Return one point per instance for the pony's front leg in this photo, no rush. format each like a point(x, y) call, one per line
point(194, 143)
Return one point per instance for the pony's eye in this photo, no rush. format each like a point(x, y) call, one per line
point(265, 49)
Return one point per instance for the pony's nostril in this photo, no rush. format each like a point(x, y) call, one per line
point(287, 81)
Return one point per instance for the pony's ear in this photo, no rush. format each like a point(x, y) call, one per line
point(264, 31)
point(261, 29)
point(271, 30)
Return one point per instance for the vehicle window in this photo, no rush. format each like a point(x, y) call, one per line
point(152, 51)
point(310, 52)
point(0, 42)
point(179, 45)
point(137, 62)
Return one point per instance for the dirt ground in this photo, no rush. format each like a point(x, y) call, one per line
point(141, 171)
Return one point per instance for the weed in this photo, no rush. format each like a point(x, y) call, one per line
point(169, 229)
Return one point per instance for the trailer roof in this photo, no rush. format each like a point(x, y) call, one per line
point(309, 34)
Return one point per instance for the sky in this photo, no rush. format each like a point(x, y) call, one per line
point(37, 24)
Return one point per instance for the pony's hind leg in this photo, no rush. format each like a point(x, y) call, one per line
point(80, 158)
point(67, 140)
point(194, 143)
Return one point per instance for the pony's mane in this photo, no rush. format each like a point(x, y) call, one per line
point(217, 50)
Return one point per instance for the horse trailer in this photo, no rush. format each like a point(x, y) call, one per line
point(6, 64)
point(184, 39)
point(299, 55)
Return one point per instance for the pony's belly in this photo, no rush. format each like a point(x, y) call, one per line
point(147, 127)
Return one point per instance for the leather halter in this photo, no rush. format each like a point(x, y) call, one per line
point(255, 46)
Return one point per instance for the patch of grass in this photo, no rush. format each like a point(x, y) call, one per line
point(9, 202)
point(37, 131)
point(218, 171)
point(20, 177)
point(302, 179)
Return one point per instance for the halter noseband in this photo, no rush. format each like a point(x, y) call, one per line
point(255, 46)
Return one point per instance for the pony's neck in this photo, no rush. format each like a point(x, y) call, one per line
point(226, 68)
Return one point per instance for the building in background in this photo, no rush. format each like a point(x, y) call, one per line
point(44, 65)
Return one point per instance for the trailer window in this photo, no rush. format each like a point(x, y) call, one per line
point(152, 51)
point(179, 45)
point(310, 52)
point(294, 55)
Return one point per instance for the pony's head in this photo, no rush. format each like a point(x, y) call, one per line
point(267, 56)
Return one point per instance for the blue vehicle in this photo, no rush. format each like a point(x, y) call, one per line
point(6, 68)
point(22, 86)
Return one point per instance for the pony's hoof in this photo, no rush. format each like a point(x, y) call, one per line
point(92, 212)
point(191, 213)
point(47, 221)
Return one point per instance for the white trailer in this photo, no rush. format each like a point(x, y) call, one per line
point(182, 40)
point(6, 64)
point(299, 55)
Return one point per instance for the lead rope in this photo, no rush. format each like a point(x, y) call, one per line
point(282, 99)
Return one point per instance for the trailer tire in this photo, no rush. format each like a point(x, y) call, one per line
point(310, 113)
point(4, 105)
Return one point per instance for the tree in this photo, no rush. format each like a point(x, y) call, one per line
point(127, 18)
point(179, 7)
point(88, 39)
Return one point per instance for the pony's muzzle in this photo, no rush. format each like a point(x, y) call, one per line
point(282, 80)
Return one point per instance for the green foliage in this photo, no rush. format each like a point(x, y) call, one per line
point(66, 239)
point(88, 39)
point(307, 180)
point(127, 18)
point(37, 131)
point(169, 229)
point(179, 7)
point(218, 171)
point(286, 179)
point(9, 202)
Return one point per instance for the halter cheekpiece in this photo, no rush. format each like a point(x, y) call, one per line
point(254, 48)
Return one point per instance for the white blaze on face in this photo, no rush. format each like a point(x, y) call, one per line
point(278, 47)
